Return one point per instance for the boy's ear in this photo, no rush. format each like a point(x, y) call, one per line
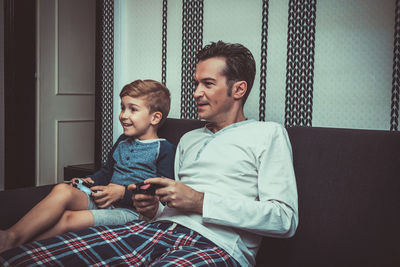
point(156, 118)
point(239, 89)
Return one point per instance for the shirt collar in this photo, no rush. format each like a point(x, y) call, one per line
point(233, 125)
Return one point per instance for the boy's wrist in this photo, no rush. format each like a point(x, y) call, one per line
point(124, 191)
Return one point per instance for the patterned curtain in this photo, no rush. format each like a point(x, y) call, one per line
point(192, 42)
point(104, 80)
point(164, 43)
point(300, 62)
point(394, 115)
point(263, 67)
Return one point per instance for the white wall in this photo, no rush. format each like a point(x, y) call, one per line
point(1, 95)
point(353, 54)
point(138, 48)
point(237, 21)
point(353, 63)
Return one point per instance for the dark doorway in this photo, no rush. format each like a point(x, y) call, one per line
point(19, 93)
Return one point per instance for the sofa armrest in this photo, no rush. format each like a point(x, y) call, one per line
point(15, 203)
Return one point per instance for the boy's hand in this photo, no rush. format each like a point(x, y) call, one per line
point(145, 204)
point(86, 179)
point(106, 195)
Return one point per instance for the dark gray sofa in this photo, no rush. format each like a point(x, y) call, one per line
point(349, 198)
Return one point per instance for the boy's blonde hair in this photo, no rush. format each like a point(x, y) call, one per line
point(154, 93)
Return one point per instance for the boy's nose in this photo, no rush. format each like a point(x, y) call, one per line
point(124, 114)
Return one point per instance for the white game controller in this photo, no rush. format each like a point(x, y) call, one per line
point(83, 186)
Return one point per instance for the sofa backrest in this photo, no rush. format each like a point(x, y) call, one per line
point(173, 129)
point(349, 200)
point(349, 197)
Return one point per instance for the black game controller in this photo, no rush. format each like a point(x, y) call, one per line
point(142, 188)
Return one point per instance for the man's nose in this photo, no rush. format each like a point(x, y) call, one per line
point(198, 92)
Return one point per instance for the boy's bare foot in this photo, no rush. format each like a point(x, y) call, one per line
point(6, 240)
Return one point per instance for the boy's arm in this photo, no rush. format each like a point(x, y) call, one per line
point(165, 161)
point(165, 168)
point(104, 174)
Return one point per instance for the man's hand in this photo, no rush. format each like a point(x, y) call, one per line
point(145, 204)
point(178, 195)
point(106, 195)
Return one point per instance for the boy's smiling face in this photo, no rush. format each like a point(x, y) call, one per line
point(136, 119)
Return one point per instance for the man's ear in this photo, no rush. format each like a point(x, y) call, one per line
point(239, 89)
point(156, 118)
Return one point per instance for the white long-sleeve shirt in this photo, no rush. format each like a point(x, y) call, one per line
point(246, 173)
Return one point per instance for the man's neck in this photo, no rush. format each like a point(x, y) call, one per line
point(216, 126)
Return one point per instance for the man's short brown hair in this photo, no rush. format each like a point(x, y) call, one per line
point(240, 64)
point(156, 95)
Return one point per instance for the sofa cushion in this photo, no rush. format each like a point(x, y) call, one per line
point(349, 200)
point(15, 203)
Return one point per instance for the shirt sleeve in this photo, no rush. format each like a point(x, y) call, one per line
point(104, 174)
point(178, 161)
point(165, 160)
point(165, 168)
point(274, 211)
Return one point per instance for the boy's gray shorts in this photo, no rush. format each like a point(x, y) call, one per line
point(111, 215)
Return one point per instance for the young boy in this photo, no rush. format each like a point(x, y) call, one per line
point(138, 154)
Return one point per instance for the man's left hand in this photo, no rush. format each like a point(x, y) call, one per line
point(178, 195)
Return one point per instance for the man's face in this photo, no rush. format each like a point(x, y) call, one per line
point(211, 94)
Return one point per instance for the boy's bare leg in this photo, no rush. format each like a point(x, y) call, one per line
point(44, 215)
point(69, 221)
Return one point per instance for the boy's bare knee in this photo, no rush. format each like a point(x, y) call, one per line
point(62, 190)
point(61, 187)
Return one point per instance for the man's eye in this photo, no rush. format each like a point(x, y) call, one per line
point(122, 108)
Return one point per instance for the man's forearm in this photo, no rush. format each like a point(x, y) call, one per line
point(199, 203)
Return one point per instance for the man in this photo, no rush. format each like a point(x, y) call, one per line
point(234, 183)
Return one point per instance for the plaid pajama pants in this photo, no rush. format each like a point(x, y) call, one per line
point(134, 244)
